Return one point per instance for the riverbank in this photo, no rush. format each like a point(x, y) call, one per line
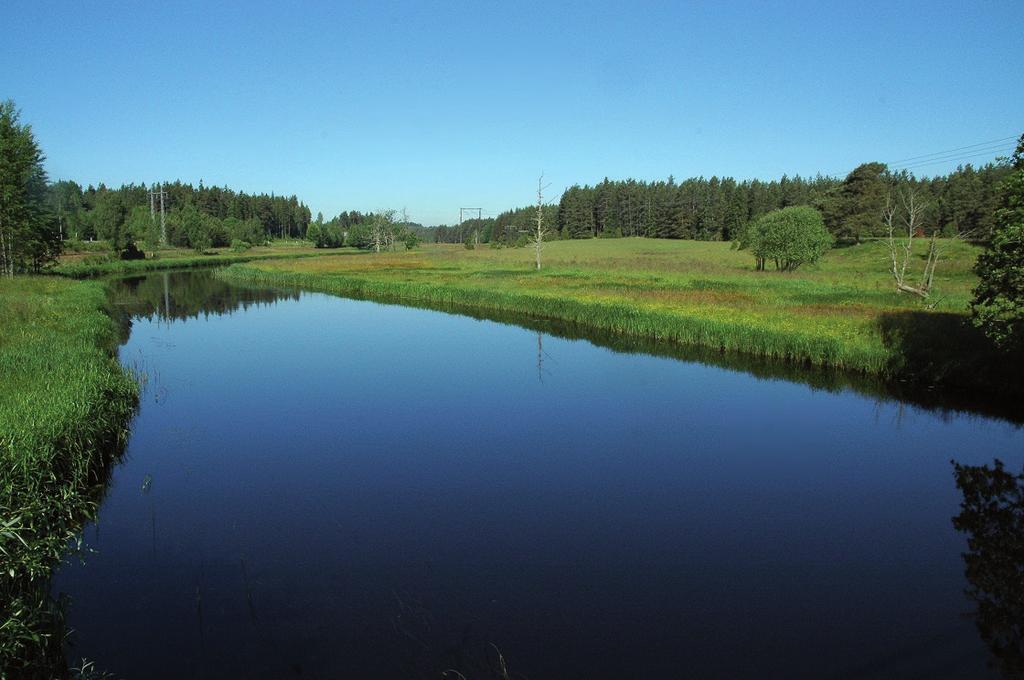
point(842, 313)
point(65, 406)
point(84, 265)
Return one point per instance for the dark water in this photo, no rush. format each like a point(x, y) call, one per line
point(321, 487)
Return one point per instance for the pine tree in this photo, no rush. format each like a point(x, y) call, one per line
point(29, 236)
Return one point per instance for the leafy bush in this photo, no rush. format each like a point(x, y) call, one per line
point(313, 233)
point(325, 235)
point(240, 246)
point(331, 236)
point(132, 252)
point(359, 236)
point(791, 237)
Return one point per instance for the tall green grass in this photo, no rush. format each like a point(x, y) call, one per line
point(65, 406)
point(726, 332)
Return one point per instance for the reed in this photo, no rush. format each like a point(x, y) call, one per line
point(65, 406)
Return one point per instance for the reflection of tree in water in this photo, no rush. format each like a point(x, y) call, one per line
point(992, 516)
point(183, 295)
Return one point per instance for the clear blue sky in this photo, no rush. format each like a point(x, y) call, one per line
point(432, 107)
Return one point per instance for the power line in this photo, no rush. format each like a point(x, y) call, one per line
point(935, 161)
point(947, 151)
point(960, 154)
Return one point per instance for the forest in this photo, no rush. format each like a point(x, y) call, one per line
point(196, 217)
point(719, 209)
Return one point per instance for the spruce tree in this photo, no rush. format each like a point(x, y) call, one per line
point(29, 236)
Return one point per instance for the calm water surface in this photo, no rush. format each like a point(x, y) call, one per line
point(322, 487)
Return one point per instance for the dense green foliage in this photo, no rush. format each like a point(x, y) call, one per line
point(841, 312)
point(197, 217)
point(999, 299)
point(29, 233)
point(790, 237)
point(325, 234)
point(64, 411)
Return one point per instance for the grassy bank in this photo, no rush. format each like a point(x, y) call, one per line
point(843, 312)
point(84, 265)
point(65, 405)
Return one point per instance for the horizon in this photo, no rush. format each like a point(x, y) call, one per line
point(433, 110)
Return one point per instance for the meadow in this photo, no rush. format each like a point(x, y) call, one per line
point(842, 312)
point(64, 412)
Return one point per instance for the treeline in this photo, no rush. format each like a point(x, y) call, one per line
point(197, 217)
point(962, 202)
point(378, 231)
point(508, 228)
point(719, 209)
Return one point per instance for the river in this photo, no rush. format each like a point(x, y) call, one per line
point(323, 487)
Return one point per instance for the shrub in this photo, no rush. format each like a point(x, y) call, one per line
point(359, 236)
point(791, 237)
point(313, 233)
point(132, 252)
point(240, 246)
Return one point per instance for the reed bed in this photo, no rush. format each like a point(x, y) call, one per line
point(65, 406)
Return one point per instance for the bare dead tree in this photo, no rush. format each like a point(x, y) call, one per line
point(907, 213)
point(540, 232)
point(377, 233)
point(382, 230)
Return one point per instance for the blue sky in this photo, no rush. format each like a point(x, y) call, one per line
point(437, 106)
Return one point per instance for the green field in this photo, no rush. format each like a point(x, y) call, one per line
point(842, 312)
point(64, 412)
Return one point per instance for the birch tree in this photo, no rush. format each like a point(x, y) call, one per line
point(905, 214)
point(382, 230)
point(540, 232)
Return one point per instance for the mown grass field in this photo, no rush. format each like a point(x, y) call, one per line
point(843, 311)
point(65, 405)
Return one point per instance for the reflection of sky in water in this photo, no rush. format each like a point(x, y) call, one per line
point(342, 487)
